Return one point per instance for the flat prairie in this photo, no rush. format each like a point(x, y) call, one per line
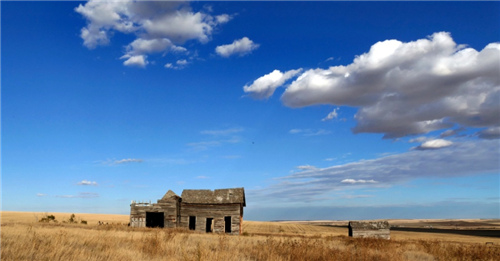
point(23, 237)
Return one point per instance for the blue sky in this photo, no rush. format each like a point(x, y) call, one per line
point(320, 110)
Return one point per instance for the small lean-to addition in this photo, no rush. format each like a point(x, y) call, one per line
point(217, 211)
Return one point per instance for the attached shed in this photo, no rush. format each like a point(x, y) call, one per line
point(370, 229)
point(219, 211)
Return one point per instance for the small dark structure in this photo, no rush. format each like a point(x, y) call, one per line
point(371, 229)
point(219, 211)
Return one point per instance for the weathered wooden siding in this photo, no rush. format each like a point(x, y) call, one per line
point(169, 208)
point(215, 211)
point(380, 229)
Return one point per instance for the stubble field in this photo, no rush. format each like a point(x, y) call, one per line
point(24, 238)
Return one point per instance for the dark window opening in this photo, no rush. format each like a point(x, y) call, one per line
point(209, 227)
point(155, 219)
point(227, 225)
point(192, 222)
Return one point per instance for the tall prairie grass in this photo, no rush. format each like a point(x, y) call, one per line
point(49, 241)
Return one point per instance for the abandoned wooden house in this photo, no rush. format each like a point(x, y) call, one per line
point(219, 211)
point(371, 229)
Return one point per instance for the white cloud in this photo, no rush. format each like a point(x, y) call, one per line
point(159, 26)
point(80, 195)
point(306, 167)
point(178, 49)
point(41, 194)
point(240, 47)
point(420, 139)
point(309, 132)
point(87, 183)
point(202, 177)
point(409, 88)
point(179, 64)
point(359, 181)
point(222, 132)
point(434, 144)
point(468, 158)
point(332, 115)
point(222, 19)
point(124, 161)
point(264, 86)
point(142, 46)
point(136, 60)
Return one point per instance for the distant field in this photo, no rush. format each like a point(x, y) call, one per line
point(24, 238)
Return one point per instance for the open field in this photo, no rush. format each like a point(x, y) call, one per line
point(23, 238)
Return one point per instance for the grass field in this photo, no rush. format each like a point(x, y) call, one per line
point(23, 238)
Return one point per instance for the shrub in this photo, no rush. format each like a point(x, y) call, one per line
point(47, 218)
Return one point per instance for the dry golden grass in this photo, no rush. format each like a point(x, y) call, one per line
point(24, 239)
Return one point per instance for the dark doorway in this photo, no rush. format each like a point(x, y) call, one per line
point(155, 219)
point(227, 225)
point(209, 228)
point(192, 222)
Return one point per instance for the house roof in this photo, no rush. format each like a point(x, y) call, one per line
point(169, 194)
point(218, 196)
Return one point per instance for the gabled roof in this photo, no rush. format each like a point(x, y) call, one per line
point(218, 196)
point(170, 194)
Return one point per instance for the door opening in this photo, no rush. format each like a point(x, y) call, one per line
point(155, 219)
point(209, 228)
point(227, 225)
point(192, 222)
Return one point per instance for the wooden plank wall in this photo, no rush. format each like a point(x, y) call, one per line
point(215, 211)
point(168, 207)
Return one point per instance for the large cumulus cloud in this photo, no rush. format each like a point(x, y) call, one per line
point(408, 88)
point(160, 26)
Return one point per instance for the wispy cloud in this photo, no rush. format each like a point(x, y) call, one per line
point(202, 177)
point(306, 167)
point(41, 194)
point(359, 181)
point(219, 138)
point(180, 64)
point(466, 158)
point(80, 195)
point(222, 132)
point(332, 115)
point(87, 183)
point(121, 161)
point(309, 132)
point(125, 161)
